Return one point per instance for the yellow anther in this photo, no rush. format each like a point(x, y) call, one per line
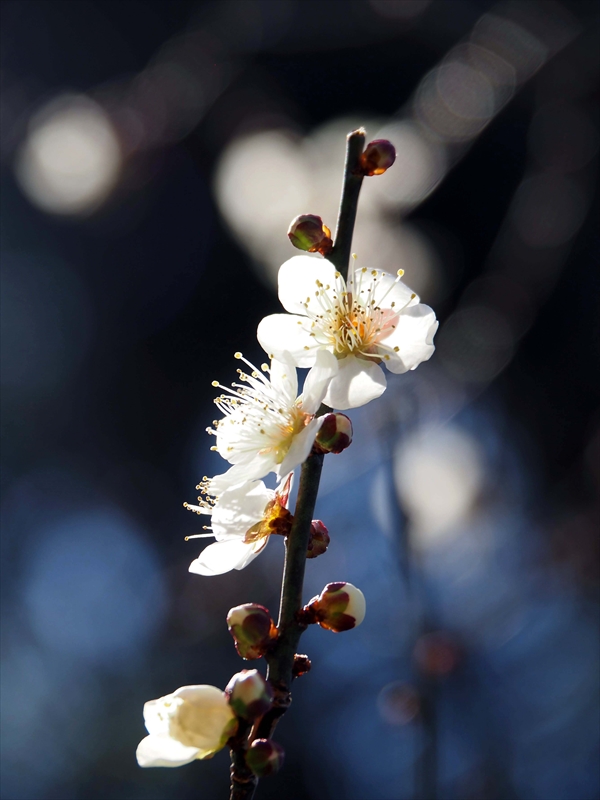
point(237, 355)
point(215, 383)
point(400, 273)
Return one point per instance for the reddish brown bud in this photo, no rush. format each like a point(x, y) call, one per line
point(302, 665)
point(319, 539)
point(335, 434)
point(378, 156)
point(308, 232)
point(339, 607)
point(252, 629)
point(264, 757)
point(249, 695)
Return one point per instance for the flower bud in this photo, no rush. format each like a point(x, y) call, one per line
point(302, 664)
point(307, 232)
point(378, 156)
point(335, 434)
point(264, 757)
point(250, 696)
point(252, 629)
point(319, 539)
point(339, 607)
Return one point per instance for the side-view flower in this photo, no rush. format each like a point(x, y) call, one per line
point(372, 318)
point(242, 519)
point(193, 722)
point(266, 426)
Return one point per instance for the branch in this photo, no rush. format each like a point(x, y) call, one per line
point(280, 659)
point(353, 178)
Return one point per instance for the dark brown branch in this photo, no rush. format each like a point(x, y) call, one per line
point(280, 659)
point(353, 178)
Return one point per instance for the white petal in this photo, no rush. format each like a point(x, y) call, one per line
point(357, 382)
point(202, 694)
point(155, 720)
point(222, 557)
point(386, 288)
point(162, 751)
point(250, 470)
point(284, 378)
point(288, 332)
point(413, 336)
point(301, 447)
point(239, 508)
point(298, 280)
point(317, 381)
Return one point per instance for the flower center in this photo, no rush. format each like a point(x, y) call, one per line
point(296, 421)
point(350, 318)
point(276, 519)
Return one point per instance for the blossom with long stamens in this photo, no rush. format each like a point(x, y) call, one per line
point(242, 520)
point(266, 427)
point(370, 320)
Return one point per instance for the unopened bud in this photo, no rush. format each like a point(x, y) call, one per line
point(335, 434)
point(308, 232)
point(302, 664)
point(264, 757)
point(319, 539)
point(250, 696)
point(252, 629)
point(339, 607)
point(378, 156)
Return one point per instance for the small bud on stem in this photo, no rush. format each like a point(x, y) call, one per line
point(249, 695)
point(302, 665)
point(308, 232)
point(319, 539)
point(264, 757)
point(378, 156)
point(252, 629)
point(335, 434)
point(339, 607)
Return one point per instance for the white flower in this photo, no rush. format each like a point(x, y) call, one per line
point(193, 722)
point(243, 518)
point(266, 427)
point(372, 319)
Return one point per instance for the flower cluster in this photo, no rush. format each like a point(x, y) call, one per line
point(342, 331)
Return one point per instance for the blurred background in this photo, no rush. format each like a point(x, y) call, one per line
point(153, 155)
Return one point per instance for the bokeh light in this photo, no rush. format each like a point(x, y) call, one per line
point(92, 589)
point(439, 474)
point(71, 159)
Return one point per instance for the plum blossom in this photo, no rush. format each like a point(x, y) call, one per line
point(242, 519)
point(194, 722)
point(371, 319)
point(266, 427)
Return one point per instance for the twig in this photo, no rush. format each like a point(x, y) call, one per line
point(280, 659)
point(353, 178)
